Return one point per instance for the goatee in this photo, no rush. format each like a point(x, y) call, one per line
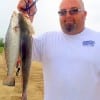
point(70, 27)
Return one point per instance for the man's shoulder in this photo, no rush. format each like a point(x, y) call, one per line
point(94, 36)
point(51, 33)
point(92, 32)
point(47, 34)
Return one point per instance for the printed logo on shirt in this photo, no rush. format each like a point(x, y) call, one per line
point(88, 43)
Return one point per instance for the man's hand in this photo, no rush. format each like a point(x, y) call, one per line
point(22, 5)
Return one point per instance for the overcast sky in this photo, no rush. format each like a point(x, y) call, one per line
point(47, 18)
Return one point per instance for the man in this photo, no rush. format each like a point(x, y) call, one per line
point(71, 58)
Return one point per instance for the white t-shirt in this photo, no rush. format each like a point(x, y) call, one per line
point(71, 65)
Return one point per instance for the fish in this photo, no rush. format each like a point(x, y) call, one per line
point(26, 32)
point(12, 45)
point(21, 45)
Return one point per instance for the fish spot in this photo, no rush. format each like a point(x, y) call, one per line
point(16, 28)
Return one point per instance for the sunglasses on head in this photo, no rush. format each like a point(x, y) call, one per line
point(71, 11)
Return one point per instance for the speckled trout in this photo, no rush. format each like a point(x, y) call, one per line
point(12, 44)
point(26, 31)
point(18, 42)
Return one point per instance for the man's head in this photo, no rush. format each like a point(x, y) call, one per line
point(72, 16)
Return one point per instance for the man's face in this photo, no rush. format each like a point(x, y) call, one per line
point(72, 16)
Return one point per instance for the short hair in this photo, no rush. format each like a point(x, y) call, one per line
point(80, 1)
point(82, 4)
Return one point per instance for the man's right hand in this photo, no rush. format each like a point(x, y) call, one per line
point(22, 5)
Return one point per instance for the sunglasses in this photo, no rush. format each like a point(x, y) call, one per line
point(71, 11)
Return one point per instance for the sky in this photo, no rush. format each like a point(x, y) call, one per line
point(47, 18)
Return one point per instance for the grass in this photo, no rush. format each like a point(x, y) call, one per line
point(1, 49)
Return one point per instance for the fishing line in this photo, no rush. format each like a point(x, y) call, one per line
point(29, 6)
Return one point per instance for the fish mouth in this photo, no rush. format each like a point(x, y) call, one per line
point(14, 14)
